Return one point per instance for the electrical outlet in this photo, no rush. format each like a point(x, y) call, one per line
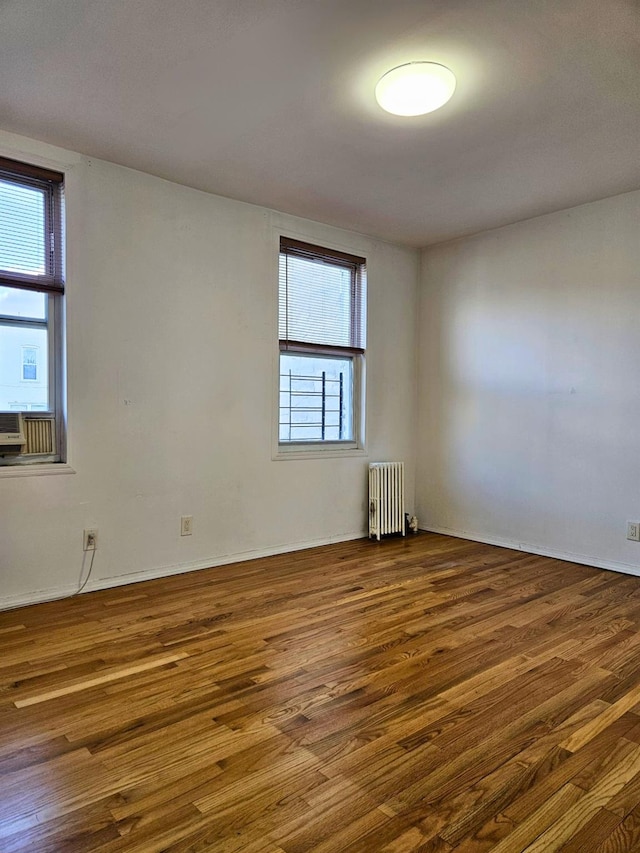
point(186, 525)
point(633, 531)
point(90, 539)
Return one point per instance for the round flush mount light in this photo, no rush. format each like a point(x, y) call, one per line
point(415, 88)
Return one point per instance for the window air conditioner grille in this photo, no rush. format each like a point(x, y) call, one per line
point(10, 422)
point(39, 435)
point(11, 433)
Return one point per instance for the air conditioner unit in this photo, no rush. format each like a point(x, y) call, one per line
point(12, 438)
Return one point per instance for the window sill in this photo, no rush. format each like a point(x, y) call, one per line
point(36, 470)
point(331, 451)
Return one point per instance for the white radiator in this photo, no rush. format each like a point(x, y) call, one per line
point(386, 498)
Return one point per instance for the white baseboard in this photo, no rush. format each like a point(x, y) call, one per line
point(9, 602)
point(527, 547)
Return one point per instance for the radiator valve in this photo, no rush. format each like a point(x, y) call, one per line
point(413, 523)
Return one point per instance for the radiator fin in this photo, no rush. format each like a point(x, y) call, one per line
point(386, 498)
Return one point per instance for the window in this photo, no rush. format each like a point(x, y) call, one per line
point(30, 363)
point(322, 298)
point(31, 293)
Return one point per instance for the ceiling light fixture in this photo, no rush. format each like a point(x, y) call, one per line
point(415, 88)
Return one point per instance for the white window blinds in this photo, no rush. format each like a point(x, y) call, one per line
point(321, 298)
point(30, 227)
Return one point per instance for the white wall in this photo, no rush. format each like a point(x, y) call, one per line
point(529, 384)
point(172, 371)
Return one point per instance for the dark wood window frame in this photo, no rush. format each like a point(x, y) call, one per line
point(50, 182)
point(352, 347)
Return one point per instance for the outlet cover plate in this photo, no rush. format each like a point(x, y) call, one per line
point(90, 533)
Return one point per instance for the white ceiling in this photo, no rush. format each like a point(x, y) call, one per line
point(271, 102)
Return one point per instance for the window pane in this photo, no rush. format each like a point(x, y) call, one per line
point(29, 363)
point(22, 348)
point(315, 301)
point(316, 398)
point(22, 229)
point(23, 303)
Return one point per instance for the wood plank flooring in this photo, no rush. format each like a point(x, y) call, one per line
point(424, 695)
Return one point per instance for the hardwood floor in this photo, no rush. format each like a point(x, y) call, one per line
point(425, 695)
